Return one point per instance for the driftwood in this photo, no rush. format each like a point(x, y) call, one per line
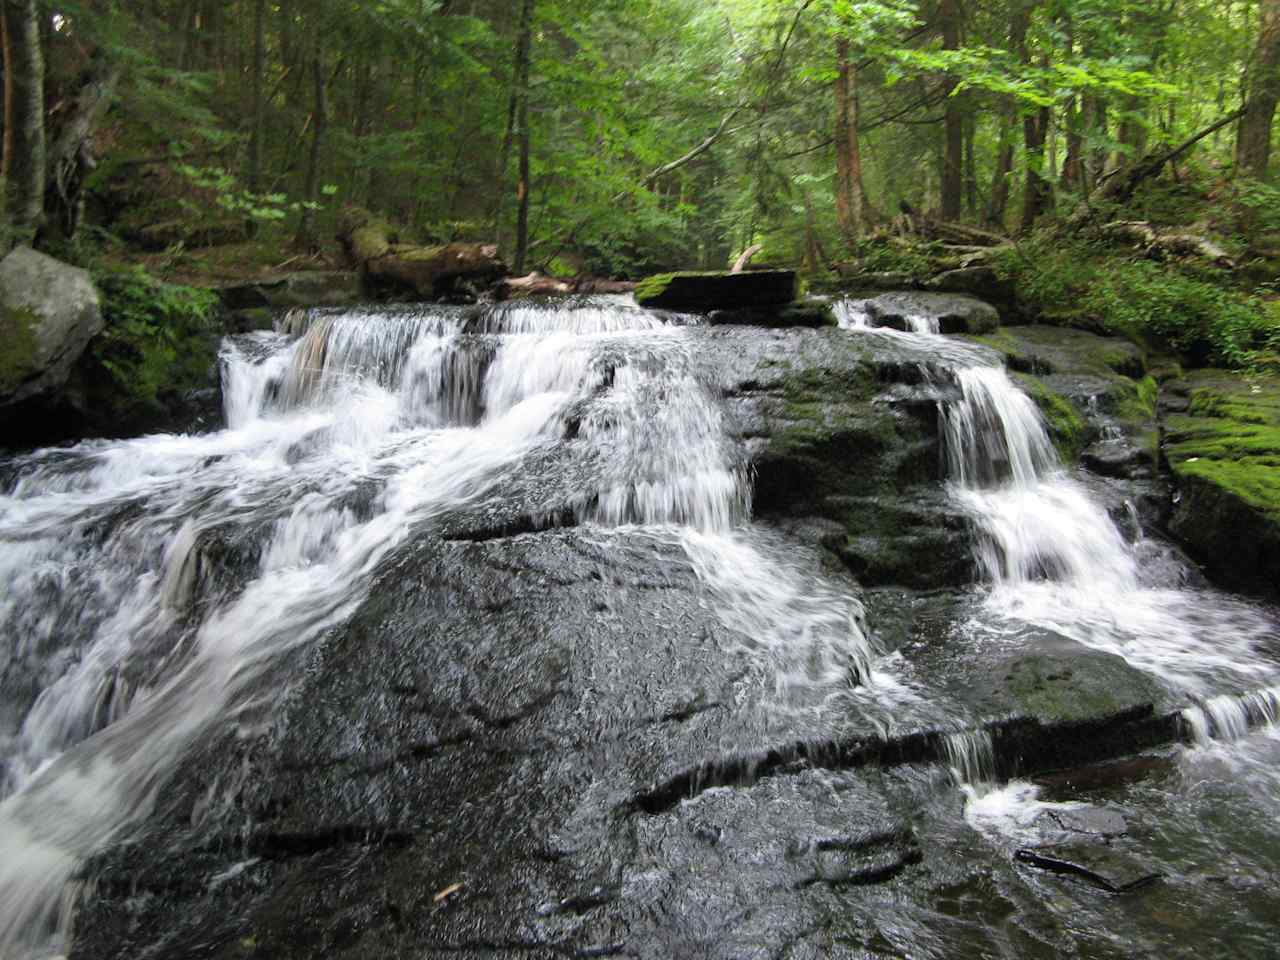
point(414, 269)
point(745, 257)
point(1167, 243)
point(540, 285)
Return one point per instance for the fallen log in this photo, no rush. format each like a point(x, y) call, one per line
point(407, 269)
point(533, 285)
point(1160, 243)
point(1119, 187)
point(744, 258)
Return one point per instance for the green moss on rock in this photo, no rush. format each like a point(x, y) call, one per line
point(1224, 454)
point(19, 346)
point(1066, 427)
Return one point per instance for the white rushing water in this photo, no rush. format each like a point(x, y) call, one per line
point(147, 586)
point(1054, 558)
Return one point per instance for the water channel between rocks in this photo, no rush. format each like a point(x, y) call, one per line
point(466, 636)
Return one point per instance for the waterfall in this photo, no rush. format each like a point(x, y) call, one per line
point(1232, 716)
point(971, 756)
point(148, 587)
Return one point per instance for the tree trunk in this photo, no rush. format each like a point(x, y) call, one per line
point(24, 137)
point(998, 204)
point(70, 151)
point(1073, 165)
point(1253, 137)
point(852, 208)
point(953, 121)
point(524, 46)
point(1037, 194)
point(306, 238)
point(1132, 133)
point(252, 181)
point(970, 167)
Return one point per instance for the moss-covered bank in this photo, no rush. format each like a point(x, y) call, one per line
point(1222, 446)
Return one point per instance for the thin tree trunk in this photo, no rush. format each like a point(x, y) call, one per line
point(1132, 134)
point(1095, 122)
point(523, 52)
point(953, 121)
point(998, 204)
point(23, 165)
point(306, 238)
point(852, 208)
point(1253, 137)
point(255, 133)
point(970, 166)
point(1072, 166)
point(1037, 194)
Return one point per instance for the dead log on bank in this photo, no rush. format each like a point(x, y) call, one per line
point(1164, 243)
point(409, 269)
point(540, 285)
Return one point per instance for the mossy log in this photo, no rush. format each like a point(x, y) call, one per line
point(408, 269)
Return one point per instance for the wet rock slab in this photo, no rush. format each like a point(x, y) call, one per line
point(456, 769)
point(951, 312)
point(718, 291)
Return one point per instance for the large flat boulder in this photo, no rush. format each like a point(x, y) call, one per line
point(718, 291)
point(49, 311)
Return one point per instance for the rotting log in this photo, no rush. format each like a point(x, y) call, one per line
point(1142, 233)
point(424, 271)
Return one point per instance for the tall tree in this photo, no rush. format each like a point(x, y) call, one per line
point(953, 119)
point(258, 68)
point(319, 123)
point(850, 195)
point(24, 135)
point(1253, 140)
point(524, 45)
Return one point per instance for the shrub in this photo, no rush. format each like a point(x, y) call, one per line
point(159, 337)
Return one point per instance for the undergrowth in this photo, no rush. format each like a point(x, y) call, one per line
point(158, 335)
point(1160, 304)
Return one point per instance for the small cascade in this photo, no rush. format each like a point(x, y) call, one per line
point(995, 434)
point(1230, 717)
point(971, 757)
point(1037, 523)
point(579, 316)
point(852, 314)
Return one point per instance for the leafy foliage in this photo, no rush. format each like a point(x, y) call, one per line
point(158, 337)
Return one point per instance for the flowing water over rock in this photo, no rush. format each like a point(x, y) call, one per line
point(465, 636)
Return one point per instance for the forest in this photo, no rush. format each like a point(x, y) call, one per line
point(639, 478)
point(620, 137)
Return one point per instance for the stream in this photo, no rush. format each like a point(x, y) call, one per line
point(457, 590)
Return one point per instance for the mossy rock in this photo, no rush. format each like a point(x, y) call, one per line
point(49, 312)
point(698, 292)
point(1224, 454)
point(1067, 429)
point(1084, 685)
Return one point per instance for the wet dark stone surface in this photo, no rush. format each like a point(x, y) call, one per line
point(535, 738)
point(487, 718)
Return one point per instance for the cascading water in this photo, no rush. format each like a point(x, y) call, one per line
point(150, 586)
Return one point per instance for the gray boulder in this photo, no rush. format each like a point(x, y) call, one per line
point(49, 311)
point(945, 312)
